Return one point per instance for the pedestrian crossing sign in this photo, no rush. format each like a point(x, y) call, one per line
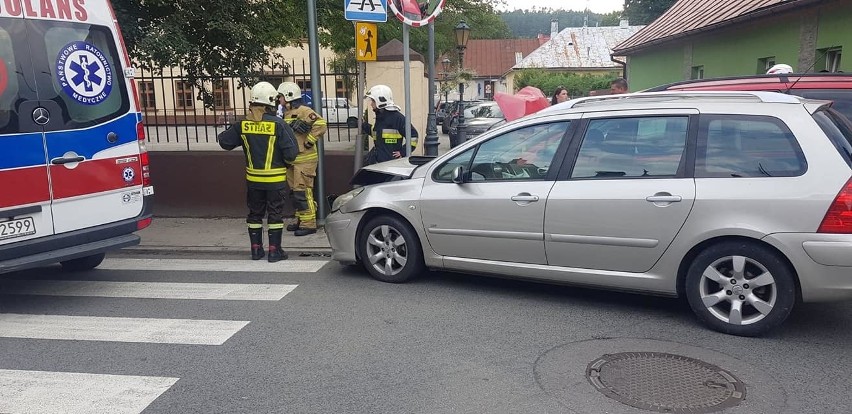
point(366, 35)
point(366, 10)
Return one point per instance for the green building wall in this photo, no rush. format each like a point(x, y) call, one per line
point(797, 38)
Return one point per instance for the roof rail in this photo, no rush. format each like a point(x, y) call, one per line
point(747, 96)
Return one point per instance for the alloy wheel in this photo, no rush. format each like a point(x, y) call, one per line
point(738, 290)
point(387, 250)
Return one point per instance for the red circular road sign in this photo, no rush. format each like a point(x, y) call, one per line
point(4, 76)
point(420, 14)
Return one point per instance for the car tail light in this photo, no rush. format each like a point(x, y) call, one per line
point(143, 154)
point(141, 224)
point(838, 219)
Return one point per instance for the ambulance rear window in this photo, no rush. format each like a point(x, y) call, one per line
point(8, 80)
point(85, 70)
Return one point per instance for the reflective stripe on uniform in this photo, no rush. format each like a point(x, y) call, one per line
point(269, 172)
point(275, 226)
point(391, 136)
point(270, 149)
point(306, 156)
point(270, 179)
point(312, 139)
point(248, 150)
point(255, 226)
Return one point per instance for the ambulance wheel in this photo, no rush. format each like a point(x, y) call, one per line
point(83, 263)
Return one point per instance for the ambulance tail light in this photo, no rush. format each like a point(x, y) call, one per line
point(143, 155)
point(141, 224)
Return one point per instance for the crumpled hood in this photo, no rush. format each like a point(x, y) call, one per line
point(398, 169)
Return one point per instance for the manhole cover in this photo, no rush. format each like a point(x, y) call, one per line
point(665, 383)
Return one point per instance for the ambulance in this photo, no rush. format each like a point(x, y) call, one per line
point(74, 178)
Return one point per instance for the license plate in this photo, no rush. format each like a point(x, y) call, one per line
point(17, 228)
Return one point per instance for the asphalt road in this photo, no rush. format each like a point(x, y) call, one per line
point(305, 336)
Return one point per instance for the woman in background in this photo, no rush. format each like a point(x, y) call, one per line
point(559, 96)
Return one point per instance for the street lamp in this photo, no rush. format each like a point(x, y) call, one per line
point(462, 32)
point(445, 64)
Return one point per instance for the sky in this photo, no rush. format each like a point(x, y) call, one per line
point(596, 6)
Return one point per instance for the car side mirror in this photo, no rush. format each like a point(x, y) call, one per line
point(458, 175)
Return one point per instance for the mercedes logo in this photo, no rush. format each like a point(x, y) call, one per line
point(41, 116)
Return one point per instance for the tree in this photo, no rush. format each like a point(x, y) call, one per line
point(640, 12)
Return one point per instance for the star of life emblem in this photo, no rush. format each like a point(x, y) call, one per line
point(128, 174)
point(84, 73)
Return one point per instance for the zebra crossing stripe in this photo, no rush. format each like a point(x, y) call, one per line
point(46, 392)
point(112, 329)
point(260, 266)
point(147, 290)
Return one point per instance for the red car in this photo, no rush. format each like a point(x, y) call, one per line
point(836, 87)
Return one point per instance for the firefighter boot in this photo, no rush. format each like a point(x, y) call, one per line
point(256, 237)
point(293, 226)
point(275, 252)
point(304, 231)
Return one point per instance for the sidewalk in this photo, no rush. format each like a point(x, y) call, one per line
point(214, 235)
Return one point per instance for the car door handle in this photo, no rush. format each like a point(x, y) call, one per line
point(664, 199)
point(525, 197)
point(67, 160)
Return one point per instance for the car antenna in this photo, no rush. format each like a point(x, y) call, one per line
point(825, 52)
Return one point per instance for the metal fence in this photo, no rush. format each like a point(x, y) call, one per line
point(177, 119)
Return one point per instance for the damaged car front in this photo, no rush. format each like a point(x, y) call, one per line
point(391, 187)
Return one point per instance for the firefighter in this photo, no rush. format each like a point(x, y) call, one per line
point(309, 128)
point(269, 146)
point(389, 129)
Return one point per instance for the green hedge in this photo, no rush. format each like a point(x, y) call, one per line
point(577, 85)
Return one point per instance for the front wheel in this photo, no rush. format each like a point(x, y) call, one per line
point(390, 250)
point(740, 288)
point(83, 263)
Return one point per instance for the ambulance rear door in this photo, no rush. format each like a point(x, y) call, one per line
point(91, 129)
point(25, 211)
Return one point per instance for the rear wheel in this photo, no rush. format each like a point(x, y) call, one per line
point(740, 288)
point(390, 250)
point(83, 263)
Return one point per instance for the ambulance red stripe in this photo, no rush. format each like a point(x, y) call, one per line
point(28, 186)
point(92, 176)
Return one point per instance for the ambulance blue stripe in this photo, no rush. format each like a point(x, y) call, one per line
point(88, 142)
point(22, 150)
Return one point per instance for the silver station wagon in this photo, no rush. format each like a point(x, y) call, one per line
point(741, 202)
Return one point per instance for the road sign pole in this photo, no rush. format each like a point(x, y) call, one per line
point(313, 52)
point(406, 57)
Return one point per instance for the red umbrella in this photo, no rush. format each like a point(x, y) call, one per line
point(527, 101)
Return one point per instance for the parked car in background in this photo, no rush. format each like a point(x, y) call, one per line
point(478, 119)
point(835, 87)
point(453, 112)
point(340, 111)
point(741, 202)
point(442, 111)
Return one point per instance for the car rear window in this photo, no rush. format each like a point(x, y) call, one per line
point(839, 131)
point(747, 146)
point(842, 98)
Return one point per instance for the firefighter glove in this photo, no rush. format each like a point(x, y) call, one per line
point(301, 127)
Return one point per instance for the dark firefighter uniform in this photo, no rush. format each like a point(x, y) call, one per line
point(309, 127)
point(389, 136)
point(269, 146)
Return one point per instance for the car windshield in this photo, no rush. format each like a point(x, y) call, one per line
point(484, 111)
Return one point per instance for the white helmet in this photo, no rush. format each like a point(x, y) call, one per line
point(263, 93)
point(290, 90)
point(780, 68)
point(382, 96)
